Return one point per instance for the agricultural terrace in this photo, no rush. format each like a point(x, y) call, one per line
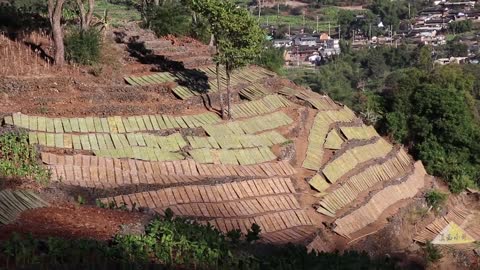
point(147, 137)
point(290, 160)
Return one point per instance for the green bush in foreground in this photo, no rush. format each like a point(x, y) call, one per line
point(436, 199)
point(83, 47)
point(173, 243)
point(432, 253)
point(18, 159)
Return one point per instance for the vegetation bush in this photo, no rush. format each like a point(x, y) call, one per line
point(170, 18)
point(173, 243)
point(436, 199)
point(432, 253)
point(272, 59)
point(200, 30)
point(460, 26)
point(433, 113)
point(83, 47)
point(18, 159)
point(175, 18)
point(22, 15)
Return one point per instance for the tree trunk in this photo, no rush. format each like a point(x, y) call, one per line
point(86, 17)
point(259, 8)
point(194, 17)
point(55, 8)
point(212, 40)
point(229, 101)
point(219, 91)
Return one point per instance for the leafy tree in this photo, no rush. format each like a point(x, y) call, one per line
point(346, 20)
point(460, 26)
point(215, 12)
point(240, 44)
point(456, 48)
point(433, 114)
point(271, 58)
point(375, 64)
point(337, 79)
point(170, 18)
point(391, 12)
point(86, 16)
point(424, 58)
point(238, 37)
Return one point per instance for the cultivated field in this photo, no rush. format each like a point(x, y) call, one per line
point(304, 168)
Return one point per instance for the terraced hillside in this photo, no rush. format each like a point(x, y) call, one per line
point(291, 160)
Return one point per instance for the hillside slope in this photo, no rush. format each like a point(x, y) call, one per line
point(304, 168)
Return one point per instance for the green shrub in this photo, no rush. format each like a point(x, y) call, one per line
point(18, 159)
point(460, 182)
point(253, 234)
point(83, 47)
point(173, 244)
point(234, 235)
point(272, 59)
point(170, 18)
point(432, 253)
point(200, 30)
point(436, 199)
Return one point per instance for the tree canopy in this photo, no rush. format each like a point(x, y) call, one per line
point(433, 113)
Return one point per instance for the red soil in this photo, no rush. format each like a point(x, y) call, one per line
point(71, 221)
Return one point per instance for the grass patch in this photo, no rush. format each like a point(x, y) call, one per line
point(294, 21)
point(18, 159)
point(118, 14)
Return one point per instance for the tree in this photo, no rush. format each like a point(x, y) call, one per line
point(237, 36)
point(346, 20)
point(433, 113)
point(239, 45)
point(168, 18)
point(85, 16)
point(215, 11)
point(271, 58)
point(460, 26)
point(55, 8)
point(424, 58)
point(457, 48)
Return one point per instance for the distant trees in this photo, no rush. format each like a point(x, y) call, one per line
point(391, 12)
point(172, 17)
point(458, 27)
point(433, 114)
point(424, 59)
point(456, 48)
point(271, 58)
point(86, 15)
